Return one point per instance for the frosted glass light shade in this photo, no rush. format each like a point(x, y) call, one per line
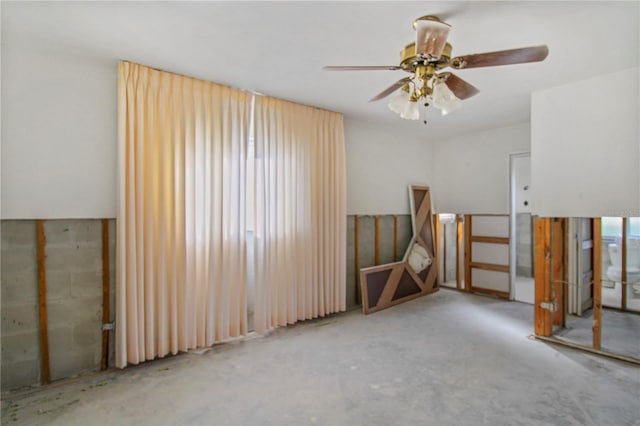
point(411, 112)
point(431, 36)
point(399, 102)
point(444, 99)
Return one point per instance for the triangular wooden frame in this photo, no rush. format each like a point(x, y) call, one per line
point(426, 282)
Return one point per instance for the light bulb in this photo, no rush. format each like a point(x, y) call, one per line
point(445, 99)
point(412, 111)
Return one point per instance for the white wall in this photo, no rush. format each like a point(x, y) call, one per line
point(380, 167)
point(58, 136)
point(59, 144)
point(471, 172)
point(521, 167)
point(585, 148)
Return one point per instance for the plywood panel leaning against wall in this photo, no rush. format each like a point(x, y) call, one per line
point(388, 285)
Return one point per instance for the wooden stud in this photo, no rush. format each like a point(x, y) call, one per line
point(104, 361)
point(42, 303)
point(444, 254)
point(597, 284)
point(542, 317)
point(533, 236)
point(623, 277)
point(395, 237)
point(489, 240)
point(557, 262)
point(565, 269)
point(458, 251)
point(467, 252)
point(489, 267)
point(491, 292)
point(355, 258)
point(376, 236)
point(436, 247)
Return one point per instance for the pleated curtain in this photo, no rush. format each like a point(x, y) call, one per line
point(181, 253)
point(300, 213)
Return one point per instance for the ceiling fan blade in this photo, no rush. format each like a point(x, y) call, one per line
point(389, 90)
point(502, 57)
point(362, 68)
point(458, 86)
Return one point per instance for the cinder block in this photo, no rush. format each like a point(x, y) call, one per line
point(73, 363)
point(60, 339)
point(20, 290)
point(75, 311)
point(85, 232)
point(18, 233)
point(19, 374)
point(16, 259)
point(386, 239)
point(86, 284)
point(76, 257)
point(58, 285)
point(87, 334)
point(18, 319)
point(19, 347)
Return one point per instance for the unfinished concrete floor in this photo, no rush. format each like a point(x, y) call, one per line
point(447, 358)
point(620, 331)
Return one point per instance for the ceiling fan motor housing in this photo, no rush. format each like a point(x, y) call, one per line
point(409, 60)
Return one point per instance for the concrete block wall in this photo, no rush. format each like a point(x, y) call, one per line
point(74, 291)
point(20, 343)
point(73, 267)
point(366, 247)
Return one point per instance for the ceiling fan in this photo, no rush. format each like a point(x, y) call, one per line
point(426, 57)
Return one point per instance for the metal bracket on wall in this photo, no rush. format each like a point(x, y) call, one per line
point(549, 306)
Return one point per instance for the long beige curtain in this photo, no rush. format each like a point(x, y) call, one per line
point(181, 218)
point(300, 213)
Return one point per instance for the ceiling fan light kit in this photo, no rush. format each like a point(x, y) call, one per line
point(426, 57)
point(444, 99)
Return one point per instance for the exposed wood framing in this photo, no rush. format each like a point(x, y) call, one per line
point(355, 258)
point(491, 292)
point(490, 240)
point(542, 316)
point(623, 277)
point(45, 369)
point(436, 246)
point(467, 252)
point(557, 260)
point(488, 267)
point(376, 236)
point(597, 283)
point(395, 238)
point(469, 264)
point(104, 361)
point(458, 251)
point(589, 349)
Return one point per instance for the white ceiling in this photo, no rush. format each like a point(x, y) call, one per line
point(279, 48)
